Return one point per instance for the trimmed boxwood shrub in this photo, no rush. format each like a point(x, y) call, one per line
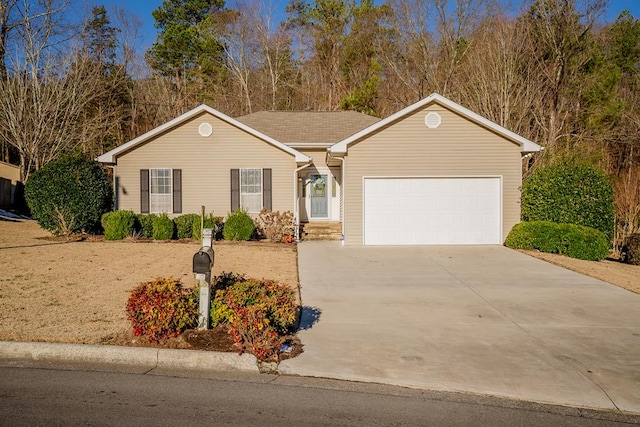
point(184, 225)
point(575, 241)
point(572, 194)
point(144, 224)
point(632, 250)
point(69, 195)
point(163, 227)
point(118, 224)
point(238, 226)
point(162, 308)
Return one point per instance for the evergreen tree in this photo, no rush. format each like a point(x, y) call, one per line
point(188, 46)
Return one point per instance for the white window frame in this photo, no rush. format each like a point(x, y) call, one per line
point(251, 209)
point(154, 206)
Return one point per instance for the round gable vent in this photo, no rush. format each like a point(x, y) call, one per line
point(205, 129)
point(432, 120)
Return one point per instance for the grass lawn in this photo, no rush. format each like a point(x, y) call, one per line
point(56, 290)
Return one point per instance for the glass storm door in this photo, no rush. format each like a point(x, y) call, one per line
point(319, 199)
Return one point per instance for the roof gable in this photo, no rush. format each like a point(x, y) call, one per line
point(525, 145)
point(110, 156)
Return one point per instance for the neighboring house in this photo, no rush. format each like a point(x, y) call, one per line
point(433, 173)
point(9, 181)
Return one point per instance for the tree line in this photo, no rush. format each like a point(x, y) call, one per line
point(553, 71)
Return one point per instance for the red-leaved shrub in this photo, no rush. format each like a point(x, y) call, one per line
point(259, 313)
point(162, 308)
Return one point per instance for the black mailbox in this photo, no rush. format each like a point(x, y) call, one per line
point(203, 260)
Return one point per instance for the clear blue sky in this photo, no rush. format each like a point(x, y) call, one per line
point(143, 9)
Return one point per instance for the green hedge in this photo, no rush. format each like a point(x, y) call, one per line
point(571, 194)
point(575, 241)
point(118, 224)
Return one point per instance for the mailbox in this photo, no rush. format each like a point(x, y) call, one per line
point(203, 260)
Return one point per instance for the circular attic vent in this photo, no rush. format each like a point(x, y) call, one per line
point(205, 129)
point(432, 120)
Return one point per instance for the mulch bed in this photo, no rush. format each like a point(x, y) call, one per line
point(214, 339)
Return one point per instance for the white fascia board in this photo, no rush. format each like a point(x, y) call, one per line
point(109, 157)
point(525, 145)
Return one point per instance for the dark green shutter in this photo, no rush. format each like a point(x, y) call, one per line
point(266, 188)
point(177, 191)
point(144, 190)
point(235, 189)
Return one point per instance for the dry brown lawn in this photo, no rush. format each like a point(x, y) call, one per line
point(614, 272)
point(75, 292)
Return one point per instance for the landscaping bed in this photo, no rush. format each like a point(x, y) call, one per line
point(75, 290)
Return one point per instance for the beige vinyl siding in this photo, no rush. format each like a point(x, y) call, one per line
point(10, 172)
point(206, 163)
point(318, 156)
point(408, 148)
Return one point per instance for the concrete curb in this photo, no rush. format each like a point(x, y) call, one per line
point(140, 357)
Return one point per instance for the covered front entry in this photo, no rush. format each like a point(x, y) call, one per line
point(320, 199)
point(432, 211)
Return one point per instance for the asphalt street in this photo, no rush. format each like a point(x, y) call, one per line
point(37, 396)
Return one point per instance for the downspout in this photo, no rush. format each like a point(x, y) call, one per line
point(342, 188)
point(296, 200)
point(115, 187)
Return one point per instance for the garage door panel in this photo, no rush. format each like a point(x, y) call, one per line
point(417, 211)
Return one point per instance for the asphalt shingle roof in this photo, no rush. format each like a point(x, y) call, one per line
point(291, 127)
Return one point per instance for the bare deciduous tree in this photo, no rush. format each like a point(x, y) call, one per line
point(47, 89)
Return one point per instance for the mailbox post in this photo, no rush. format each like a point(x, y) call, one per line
point(202, 265)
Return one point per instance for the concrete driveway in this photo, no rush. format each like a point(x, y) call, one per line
point(481, 319)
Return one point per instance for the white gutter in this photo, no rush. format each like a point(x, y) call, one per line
point(342, 188)
point(296, 200)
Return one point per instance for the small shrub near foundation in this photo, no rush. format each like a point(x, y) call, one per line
point(144, 224)
point(118, 225)
point(163, 227)
point(238, 226)
point(162, 308)
point(184, 225)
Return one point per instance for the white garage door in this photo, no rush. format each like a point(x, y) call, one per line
point(432, 211)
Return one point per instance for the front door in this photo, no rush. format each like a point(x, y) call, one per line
point(318, 193)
